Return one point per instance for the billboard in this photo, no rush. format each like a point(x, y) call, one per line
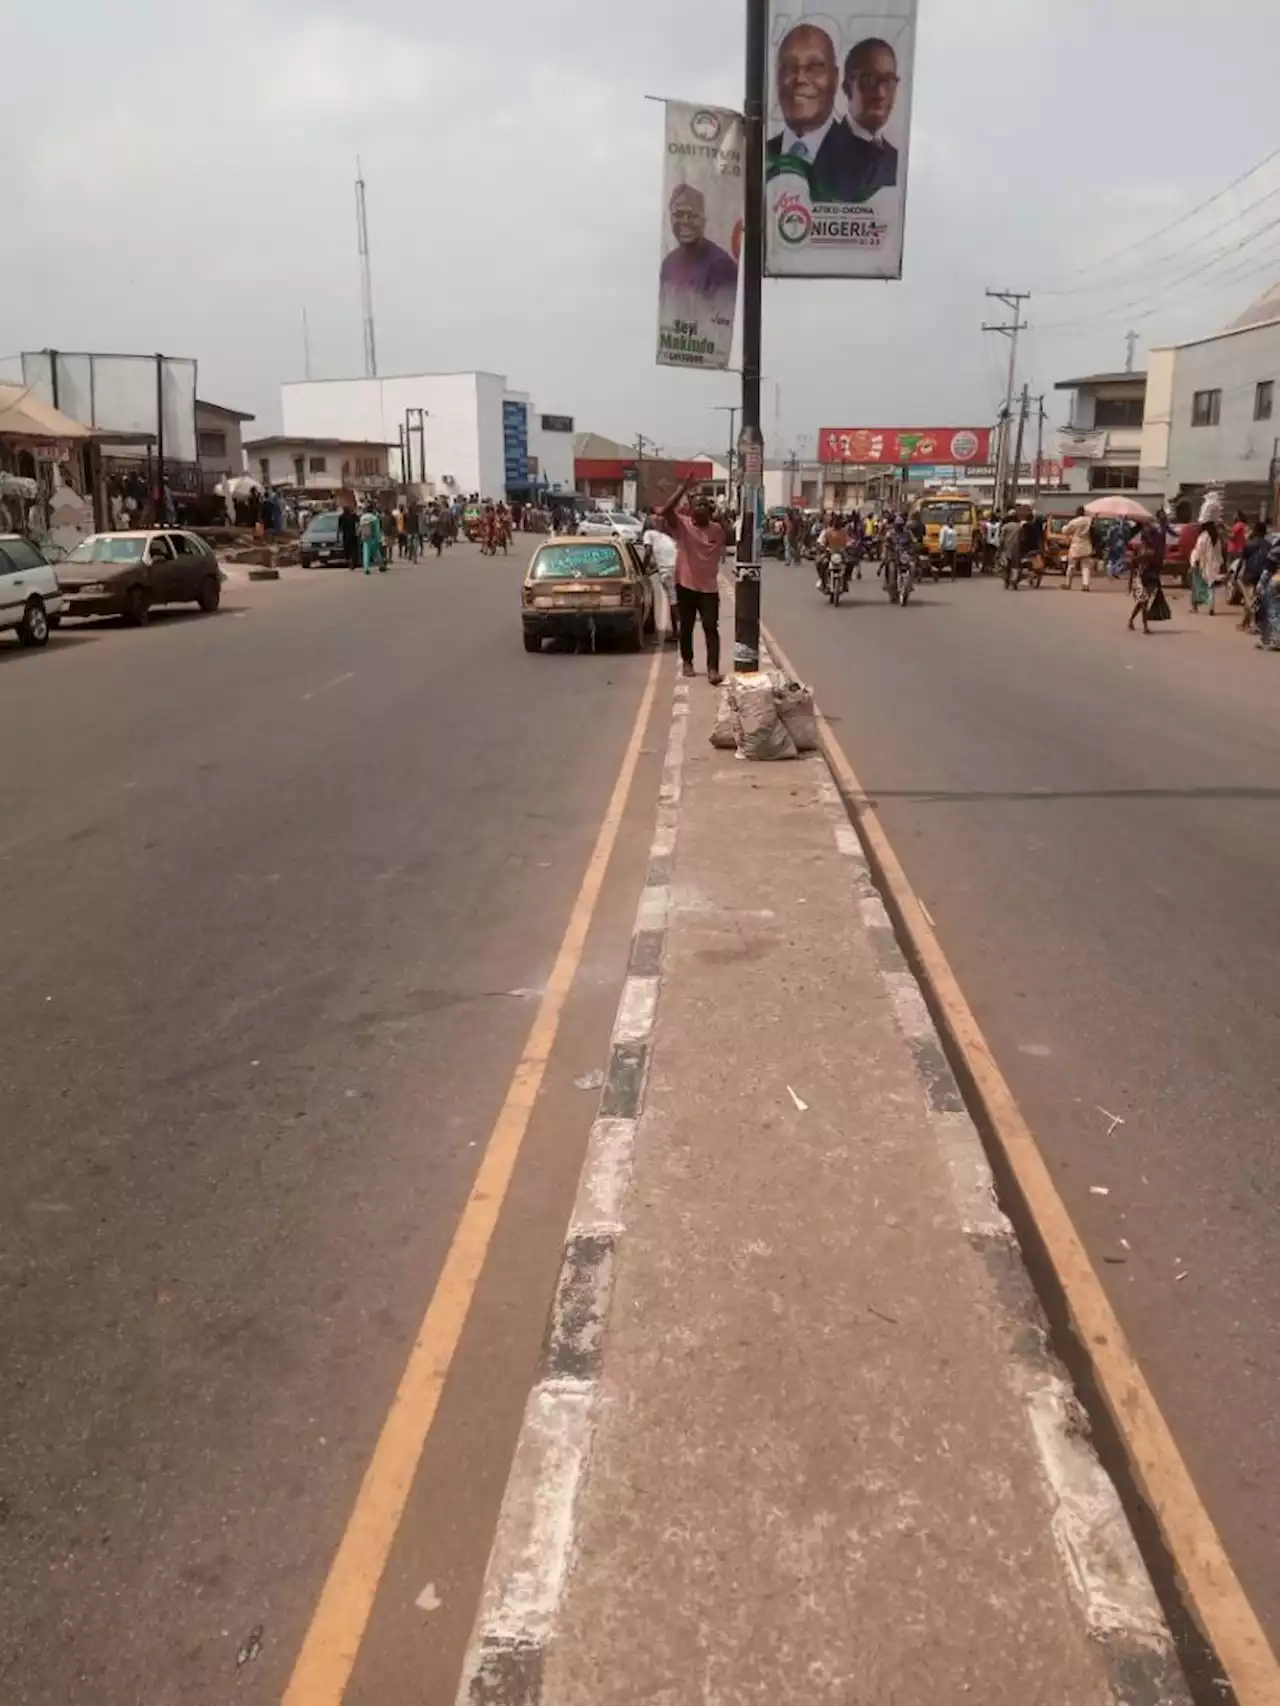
point(838, 137)
point(515, 442)
point(701, 236)
point(118, 393)
point(899, 447)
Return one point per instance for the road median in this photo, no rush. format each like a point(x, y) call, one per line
point(799, 1433)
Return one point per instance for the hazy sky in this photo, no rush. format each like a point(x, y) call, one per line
point(179, 177)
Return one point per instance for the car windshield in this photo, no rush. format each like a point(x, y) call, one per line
point(104, 549)
point(576, 562)
point(938, 515)
point(322, 526)
point(620, 518)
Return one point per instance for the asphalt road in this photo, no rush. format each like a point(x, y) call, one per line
point(1093, 821)
point(280, 890)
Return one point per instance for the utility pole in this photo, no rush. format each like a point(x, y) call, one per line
point(1023, 412)
point(733, 410)
point(161, 517)
point(306, 346)
point(366, 278)
point(641, 444)
point(746, 576)
point(1039, 446)
point(1012, 299)
point(1131, 341)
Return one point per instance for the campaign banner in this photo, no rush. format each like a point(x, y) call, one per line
point(701, 236)
point(899, 447)
point(838, 137)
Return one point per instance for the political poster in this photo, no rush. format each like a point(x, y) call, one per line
point(701, 236)
point(838, 137)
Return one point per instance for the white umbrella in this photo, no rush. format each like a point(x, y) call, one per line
point(237, 486)
point(1118, 508)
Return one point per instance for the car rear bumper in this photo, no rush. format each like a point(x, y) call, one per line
point(570, 624)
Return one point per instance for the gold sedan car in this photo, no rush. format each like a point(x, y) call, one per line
point(578, 588)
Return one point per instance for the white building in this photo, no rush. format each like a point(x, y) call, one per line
point(320, 466)
point(466, 432)
point(1213, 416)
point(1101, 444)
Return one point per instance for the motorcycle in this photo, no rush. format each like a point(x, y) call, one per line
point(834, 571)
point(899, 573)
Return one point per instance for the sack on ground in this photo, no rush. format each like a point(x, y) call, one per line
point(728, 729)
point(795, 707)
point(764, 734)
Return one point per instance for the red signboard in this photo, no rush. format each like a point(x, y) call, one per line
point(898, 447)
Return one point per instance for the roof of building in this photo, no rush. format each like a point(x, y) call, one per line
point(1100, 379)
point(219, 409)
point(595, 447)
point(24, 415)
point(302, 439)
point(1260, 312)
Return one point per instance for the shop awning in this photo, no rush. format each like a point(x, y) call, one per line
point(24, 415)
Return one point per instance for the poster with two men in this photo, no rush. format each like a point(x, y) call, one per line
point(837, 143)
point(838, 127)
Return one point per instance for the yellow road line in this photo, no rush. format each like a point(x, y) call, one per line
point(324, 1665)
point(1220, 1602)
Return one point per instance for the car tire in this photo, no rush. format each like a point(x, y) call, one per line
point(532, 642)
point(210, 595)
point(33, 629)
point(633, 640)
point(137, 607)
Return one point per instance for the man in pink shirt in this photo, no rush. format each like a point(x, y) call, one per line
point(700, 542)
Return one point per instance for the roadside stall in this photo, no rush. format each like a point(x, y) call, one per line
point(47, 472)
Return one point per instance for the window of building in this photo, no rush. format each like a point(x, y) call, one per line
point(1263, 397)
point(315, 464)
point(213, 444)
point(299, 470)
point(1118, 411)
point(264, 470)
point(1110, 478)
point(1206, 408)
point(366, 464)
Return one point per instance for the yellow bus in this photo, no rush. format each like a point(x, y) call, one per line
point(962, 513)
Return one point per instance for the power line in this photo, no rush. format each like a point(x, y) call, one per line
point(1090, 266)
point(1140, 302)
point(1162, 260)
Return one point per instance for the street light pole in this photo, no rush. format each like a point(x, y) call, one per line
point(746, 615)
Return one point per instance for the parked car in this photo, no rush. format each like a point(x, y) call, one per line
point(577, 587)
point(31, 600)
point(126, 574)
point(610, 524)
point(321, 543)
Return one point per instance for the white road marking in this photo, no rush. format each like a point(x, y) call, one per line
point(336, 682)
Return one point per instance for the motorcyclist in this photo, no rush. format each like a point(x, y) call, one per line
point(835, 542)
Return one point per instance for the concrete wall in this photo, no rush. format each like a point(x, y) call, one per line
point(462, 428)
point(1154, 454)
point(1238, 448)
point(281, 471)
point(232, 459)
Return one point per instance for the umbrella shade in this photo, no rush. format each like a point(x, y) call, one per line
point(240, 486)
point(1119, 508)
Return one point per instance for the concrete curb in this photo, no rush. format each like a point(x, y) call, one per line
point(533, 1543)
point(1100, 1553)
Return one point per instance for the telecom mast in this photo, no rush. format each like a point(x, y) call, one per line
point(366, 278)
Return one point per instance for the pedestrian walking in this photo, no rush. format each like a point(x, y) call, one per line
point(349, 534)
point(1256, 557)
point(1267, 605)
point(1079, 534)
point(948, 543)
point(1237, 545)
point(700, 539)
point(1206, 567)
point(371, 540)
point(1149, 601)
point(1009, 551)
